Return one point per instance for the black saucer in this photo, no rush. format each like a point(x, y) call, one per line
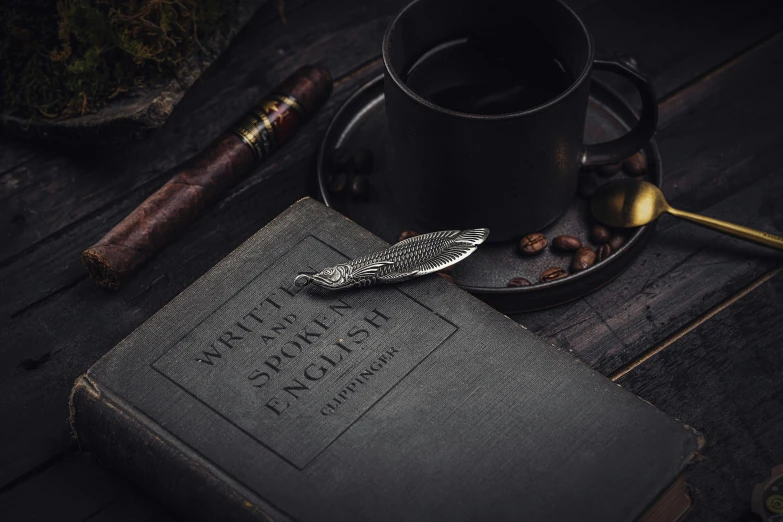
point(361, 123)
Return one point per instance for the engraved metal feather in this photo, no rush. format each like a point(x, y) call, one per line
point(412, 257)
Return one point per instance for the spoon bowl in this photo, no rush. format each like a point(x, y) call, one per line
point(628, 203)
point(632, 203)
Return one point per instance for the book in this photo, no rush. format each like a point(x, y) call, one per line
point(248, 398)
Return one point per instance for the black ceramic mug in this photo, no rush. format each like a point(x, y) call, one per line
point(514, 172)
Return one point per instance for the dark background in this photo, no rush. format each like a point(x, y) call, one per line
point(693, 326)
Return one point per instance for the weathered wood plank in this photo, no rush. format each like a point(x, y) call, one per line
point(648, 30)
point(43, 197)
point(59, 183)
point(63, 179)
point(722, 155)
point(54, 262)
point(56, 268)
point(724, 379)
point(44, 330)
point(47, 351)
point(56, 176)
point(675, 42)
point(684, 271)
point(13, 153)
point(76, 489)
point(240, 216)
point(31, 279)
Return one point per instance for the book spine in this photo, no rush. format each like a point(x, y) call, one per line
point(126, 440)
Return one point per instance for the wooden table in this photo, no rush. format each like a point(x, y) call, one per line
point(693, 326)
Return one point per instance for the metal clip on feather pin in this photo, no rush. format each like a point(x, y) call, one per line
point(412, 257)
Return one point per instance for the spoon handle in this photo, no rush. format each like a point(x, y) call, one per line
point(748, 234)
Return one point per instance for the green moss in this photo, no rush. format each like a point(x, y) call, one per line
point(62, 58)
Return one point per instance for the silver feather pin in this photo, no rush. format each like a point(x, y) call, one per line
point(412, 257)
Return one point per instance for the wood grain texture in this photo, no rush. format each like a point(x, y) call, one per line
point(717, 138)
point(724, 379)
point(342, 34)
point(710, 167)
point(72, 186)
point(55, 261)
point(677, 42)
point(76, 489)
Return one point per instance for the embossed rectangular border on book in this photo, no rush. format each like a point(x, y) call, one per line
point(295, 373)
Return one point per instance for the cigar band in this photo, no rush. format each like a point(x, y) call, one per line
point(256, 131)
point(257, 128)
point(290, 101)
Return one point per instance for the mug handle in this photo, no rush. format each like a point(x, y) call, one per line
point(626, 145)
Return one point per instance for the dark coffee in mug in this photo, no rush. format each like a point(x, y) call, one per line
point(485, 73)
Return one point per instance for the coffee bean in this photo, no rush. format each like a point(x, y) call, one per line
point(588, 186)
point(447, 277)
point(406, 234)
point(636, 165)
point(532, 244)
point(608, 171)
point(566, 243)
point(583, 259)
point(599, 234)
point(616, 241)
point(518, 282)
point(359, 186)
point(341, 159)
point(363, 161)
point(550, 274)
point(602, 252)
point(338, 183)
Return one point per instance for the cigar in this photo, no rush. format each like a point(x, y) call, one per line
point(201, 180)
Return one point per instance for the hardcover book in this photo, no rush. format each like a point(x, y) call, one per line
point(248, 398)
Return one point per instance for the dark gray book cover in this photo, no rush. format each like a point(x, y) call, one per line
point(246, 398)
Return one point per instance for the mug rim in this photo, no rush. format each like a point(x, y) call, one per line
point(493, 117)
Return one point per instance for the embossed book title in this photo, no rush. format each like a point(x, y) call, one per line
point(277, 359)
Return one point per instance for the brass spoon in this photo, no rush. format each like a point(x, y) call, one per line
point(633, 203)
